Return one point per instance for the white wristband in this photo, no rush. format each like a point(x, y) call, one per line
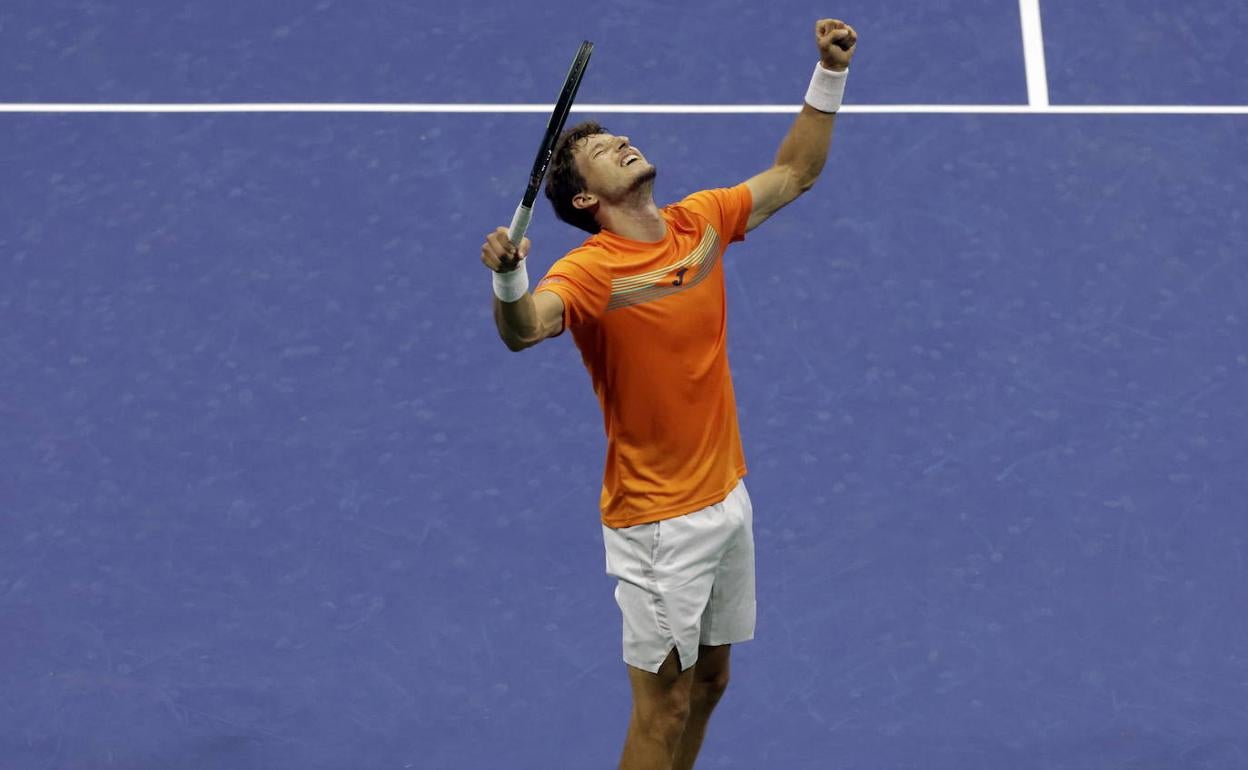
point(512, 285)
point(827, 88)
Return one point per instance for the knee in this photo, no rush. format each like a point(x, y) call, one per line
point(709, 689)
point(665, 716)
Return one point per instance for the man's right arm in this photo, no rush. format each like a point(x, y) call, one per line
point(530, 318)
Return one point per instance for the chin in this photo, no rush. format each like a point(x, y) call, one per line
point(646, 176)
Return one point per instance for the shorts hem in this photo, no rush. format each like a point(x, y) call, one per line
point(715, 642)
point(653, 668)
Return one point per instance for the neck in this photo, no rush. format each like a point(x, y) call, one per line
point(636, 217)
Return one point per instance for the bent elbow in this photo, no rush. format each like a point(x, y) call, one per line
point(516, 343)
point(799, 179)
point(807, 179)
point(513, 344)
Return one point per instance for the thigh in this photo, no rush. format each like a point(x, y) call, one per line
point(654, 690)
point(731, 612)
point(713, 662)
point(667, 572)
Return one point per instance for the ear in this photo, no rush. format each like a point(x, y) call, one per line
point(584, 200)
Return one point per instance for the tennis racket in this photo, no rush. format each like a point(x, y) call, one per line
point(554, 127)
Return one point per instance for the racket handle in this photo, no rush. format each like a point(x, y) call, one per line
point(519, 224)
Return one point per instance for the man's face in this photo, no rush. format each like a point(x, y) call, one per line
point(612, 168)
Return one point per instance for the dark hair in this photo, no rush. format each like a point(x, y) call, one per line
point(564, 182)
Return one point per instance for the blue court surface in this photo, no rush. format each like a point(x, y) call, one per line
point(274, 496)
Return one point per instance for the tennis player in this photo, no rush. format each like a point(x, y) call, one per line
point(644, 299)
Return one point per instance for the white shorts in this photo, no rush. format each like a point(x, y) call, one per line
point(685, 581)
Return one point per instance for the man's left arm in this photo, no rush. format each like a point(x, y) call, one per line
point(801, 156)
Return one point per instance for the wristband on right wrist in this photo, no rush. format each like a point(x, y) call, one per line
point(827, 89)
point(513, 284)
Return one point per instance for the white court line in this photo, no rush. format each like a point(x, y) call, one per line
point(1033, 53)
point(640, 109)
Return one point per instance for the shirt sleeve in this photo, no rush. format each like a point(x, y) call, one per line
point(727, 208)
point(583, 286)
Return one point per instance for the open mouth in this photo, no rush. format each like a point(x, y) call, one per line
point(631, 159)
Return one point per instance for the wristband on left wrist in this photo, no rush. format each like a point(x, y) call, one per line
point(827, 88)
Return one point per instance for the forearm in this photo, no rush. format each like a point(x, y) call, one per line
point(519, 324)
point(802, 154)
point(805, 148)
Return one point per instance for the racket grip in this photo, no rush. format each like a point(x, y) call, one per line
point(519, 224)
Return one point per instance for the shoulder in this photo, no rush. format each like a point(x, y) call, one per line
point(727, 209)
point(584, 266)
point(717, 196)
point(715, 202)
point(581, 279)
point(590, 256)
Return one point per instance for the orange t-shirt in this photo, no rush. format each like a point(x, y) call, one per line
point(651, 324)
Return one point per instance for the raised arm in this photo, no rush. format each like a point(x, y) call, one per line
point(528, 318)
point(801, 156)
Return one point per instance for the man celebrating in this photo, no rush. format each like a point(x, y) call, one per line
point(644, 298)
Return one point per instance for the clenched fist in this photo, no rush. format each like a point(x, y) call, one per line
point(499, 254)
point(836, 41)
